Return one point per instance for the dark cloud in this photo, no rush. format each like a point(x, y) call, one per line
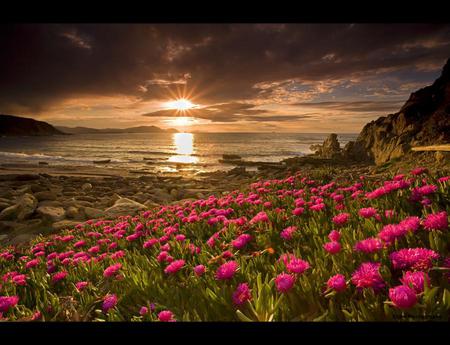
point(42, 65)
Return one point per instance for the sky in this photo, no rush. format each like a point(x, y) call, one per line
point(305, 78)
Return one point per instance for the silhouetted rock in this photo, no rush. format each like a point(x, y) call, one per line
point(423, 120)
point(21, 126)
point(329, 149)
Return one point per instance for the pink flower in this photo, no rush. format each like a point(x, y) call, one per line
point(20, 279)
point(59, 276)
point(341, 219)
point(241, 294)
point(81, 285)
point(317, 207)
point(143, 311)
point(368, 276)
point(419, 171)
point(241, 241)
point(180, 237)
point(260, 217)
point(334, 236)
point(227, 270)
point(199, 270)
point(162, 256)
point(79, 244)
point(413, 258)
point(298, 211)
point(7, 302)
point(367, 212)
point(150, 243)
point(166, 316)
point(438, 221)
point(287, 233)
point(284, 282)
point(111, 270)
point(32, 263)
point(297, 266)
point(174, 267)
point(337, 282)
point(403, 297)
point(416, 280)
point(369, 245)
point(332, 247)
point(94, 249)
point(109, 302)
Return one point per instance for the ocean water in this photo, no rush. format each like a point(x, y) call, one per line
point(163, 152)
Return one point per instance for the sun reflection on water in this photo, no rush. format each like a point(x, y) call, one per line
point(184, 148)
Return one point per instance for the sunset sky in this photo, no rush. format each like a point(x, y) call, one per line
point(231, 77)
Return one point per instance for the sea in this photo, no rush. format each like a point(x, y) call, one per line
point(158, 152)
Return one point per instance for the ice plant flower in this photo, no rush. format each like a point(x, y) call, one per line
point(334, 236)
point(297, 266)
point(81, 285)
point(241, 294)
point(111, 270)
point(260, 217)
point(227, 270)
point(438, 221)
point(341, 219)
point(199, 270)
point(287, 233)
point(418, 259)
point(143, 311)
point(284, 282)
point(166, 316)
point(416, 280)
point(369, 245)
point(403, 297)
point(7, 302)
point(368, 276)
point(109, 302)
point(298, 211)
point(332, 247)
point(174, 267)
point(59, 276)
point(367, 212)
point(241, 241)
point(337, 283)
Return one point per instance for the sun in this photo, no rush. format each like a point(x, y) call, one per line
point(181, 104)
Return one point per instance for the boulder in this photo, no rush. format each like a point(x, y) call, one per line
point(64, 224)
point(93, 213)
point(50, 213)
point(45, 195)
point(86, 187)
point(73, 212)
point(23, 209)
point(123, 207)
point(150, 203)
point(8, 226)
point(4, 205)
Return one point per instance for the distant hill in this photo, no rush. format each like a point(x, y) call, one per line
point(140, 129)
point(11, 125)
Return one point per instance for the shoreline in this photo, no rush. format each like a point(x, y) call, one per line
point(47, 199)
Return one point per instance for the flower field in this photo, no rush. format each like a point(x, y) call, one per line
point(304, 248)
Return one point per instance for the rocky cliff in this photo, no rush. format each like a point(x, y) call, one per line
point(423, 120)
point(21, 126)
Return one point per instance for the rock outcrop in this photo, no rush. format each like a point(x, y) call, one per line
point(423, 120)
point(330, 148)
point(21, 126)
